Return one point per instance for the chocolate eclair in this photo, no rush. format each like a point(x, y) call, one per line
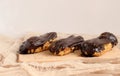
point(64, 46)
point(37, 43)
point(98, 46)
point(111, 37)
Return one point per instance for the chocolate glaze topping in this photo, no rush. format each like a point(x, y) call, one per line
point(107, 35)
point(92, 46)
point(61, 44)
point(89, 47)
point(36, 41)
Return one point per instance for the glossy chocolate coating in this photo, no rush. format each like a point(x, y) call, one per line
point(111, 37)
point(36, 41)
point(71, 41)
point(92, 46)
point(89, 47)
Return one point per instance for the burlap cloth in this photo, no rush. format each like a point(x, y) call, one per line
point(106, 65)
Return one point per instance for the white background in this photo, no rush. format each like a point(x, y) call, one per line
point(69, 16)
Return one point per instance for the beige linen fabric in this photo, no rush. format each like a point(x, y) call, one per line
point(106, 65)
